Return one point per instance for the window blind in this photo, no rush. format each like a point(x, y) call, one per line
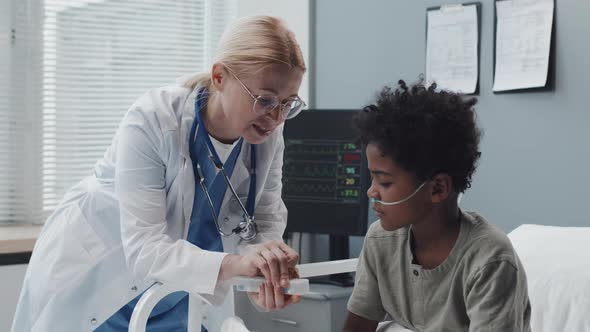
point(80, 68)
point(20, 122)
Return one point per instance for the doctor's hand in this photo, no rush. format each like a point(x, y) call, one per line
point(275, 261)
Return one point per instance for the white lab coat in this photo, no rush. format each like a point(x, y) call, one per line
point(117, 232)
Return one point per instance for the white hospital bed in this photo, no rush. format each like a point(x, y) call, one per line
point(557, 263)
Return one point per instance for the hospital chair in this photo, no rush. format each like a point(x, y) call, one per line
point(199, 307)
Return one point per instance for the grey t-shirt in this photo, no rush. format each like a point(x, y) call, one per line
point(480, 286)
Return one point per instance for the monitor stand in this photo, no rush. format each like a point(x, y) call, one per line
point(339, 246)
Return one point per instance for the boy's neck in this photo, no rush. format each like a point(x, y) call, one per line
point(435, 237)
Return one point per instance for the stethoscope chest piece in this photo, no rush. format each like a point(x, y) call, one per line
point(247, 229)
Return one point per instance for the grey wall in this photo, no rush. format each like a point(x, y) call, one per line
point(535, 165)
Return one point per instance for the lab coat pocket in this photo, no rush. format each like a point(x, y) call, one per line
point(67, 248)
point(85, 236)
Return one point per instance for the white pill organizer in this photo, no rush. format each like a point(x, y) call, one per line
point(252, 285)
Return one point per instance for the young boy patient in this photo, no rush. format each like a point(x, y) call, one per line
point(427, 264)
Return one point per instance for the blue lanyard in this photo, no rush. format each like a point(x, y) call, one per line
point(199, 105)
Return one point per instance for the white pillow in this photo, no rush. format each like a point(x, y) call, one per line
point(557, 264)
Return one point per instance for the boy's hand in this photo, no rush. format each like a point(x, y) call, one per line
point(270, 297)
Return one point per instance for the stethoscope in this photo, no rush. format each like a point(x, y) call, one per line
point(246, 229)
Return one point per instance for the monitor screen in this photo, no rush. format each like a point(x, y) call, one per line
point(325, 177)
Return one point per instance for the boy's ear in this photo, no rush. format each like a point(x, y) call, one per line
point(442, 187)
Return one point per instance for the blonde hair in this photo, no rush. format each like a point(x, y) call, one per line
point(252, 43)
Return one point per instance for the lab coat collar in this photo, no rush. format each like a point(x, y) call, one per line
point(186, 121)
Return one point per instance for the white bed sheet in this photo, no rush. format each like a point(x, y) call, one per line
point(557, 264)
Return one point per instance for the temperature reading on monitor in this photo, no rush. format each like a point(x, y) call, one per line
point(349, 193)
point(322, 170)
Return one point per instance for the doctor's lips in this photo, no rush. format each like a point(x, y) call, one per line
point(262, 130)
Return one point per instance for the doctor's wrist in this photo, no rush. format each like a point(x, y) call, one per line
point(229, 267)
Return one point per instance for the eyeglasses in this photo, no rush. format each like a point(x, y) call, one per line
point(266, 104)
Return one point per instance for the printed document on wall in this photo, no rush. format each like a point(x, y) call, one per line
point(523, 41)
point(452, 48)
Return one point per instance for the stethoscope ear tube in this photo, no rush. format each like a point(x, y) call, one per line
point(246, 229)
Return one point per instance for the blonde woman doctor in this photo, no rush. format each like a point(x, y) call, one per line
point(159, 198)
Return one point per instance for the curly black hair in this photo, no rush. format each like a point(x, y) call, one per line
point(424, 131)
